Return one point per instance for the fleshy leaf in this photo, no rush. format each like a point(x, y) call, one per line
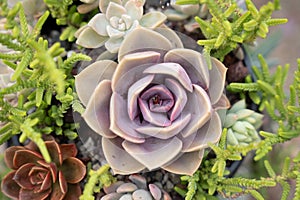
point(96, 114)
point(73, 169)
point(133, 92)
point(152, 19)
point(10, 154)
point(193, 63)
point(172, 69)
point(187, 164)
point(200, 114)
point(119, 160)
point(133, 60)
point(166, 132)
point(217, 80)
point(25, 156)
point(9, 187)
point(99, 23)
point(141, 39)
point(210, 132)
point(90, 77)
point(103, 4)
point(121, 124)
point(89, 38)
point(162, 150)
point(133, 10)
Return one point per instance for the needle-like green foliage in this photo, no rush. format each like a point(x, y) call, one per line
point(41, 77)
point(230, 25)
point(96, 181)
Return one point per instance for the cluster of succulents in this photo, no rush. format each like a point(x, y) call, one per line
point(33, 178)
point(159, 101)
point(116, 20)
point(136, 189)
point(242, 124)
point(152, 99)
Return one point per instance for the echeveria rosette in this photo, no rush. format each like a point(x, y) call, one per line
point(118, 18)
point(155, 108)
point(34, 179)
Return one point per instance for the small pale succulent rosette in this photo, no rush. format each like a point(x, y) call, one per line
point(118, 18)
point(137, 188)
point(156, 107)
point(242, 124)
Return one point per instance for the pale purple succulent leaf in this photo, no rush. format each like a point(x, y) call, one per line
point(158, 119)
point(172, 69)
point(131, 61)
point(112, 187)
point(186, 164)
point(210, 132)
point(133, 10)
point(154, 153)
point(112, 196)
point(152, 19)
point(140, 194)
point(114, 9)
point(166, 132)
point(199, 106)
point(180, 97)
point(99, 23)
point(155, 191)
point(126, 188)
point(223, 103)
point(217, 80)
point(133, 93)
point(88, 79)
point(194, 64)
point(120, 161)
point(88, 38)
point(142, 39)
point(103, 4)
point(159, 98)
point(121, 124)
point(171, 35)
point(113, 44)
point(138, 180)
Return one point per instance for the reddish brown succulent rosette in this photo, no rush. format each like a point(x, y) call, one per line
point(33, 178)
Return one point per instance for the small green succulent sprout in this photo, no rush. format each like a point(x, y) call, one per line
point(118, 18)
point(242, 124)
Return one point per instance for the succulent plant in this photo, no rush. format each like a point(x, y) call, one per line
point(156, 107)
point(180, 12)
point(241, 124)
point(33, 178)
point(135, 189)
point(118, 18)
point(87, 6)
point(33, 8)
